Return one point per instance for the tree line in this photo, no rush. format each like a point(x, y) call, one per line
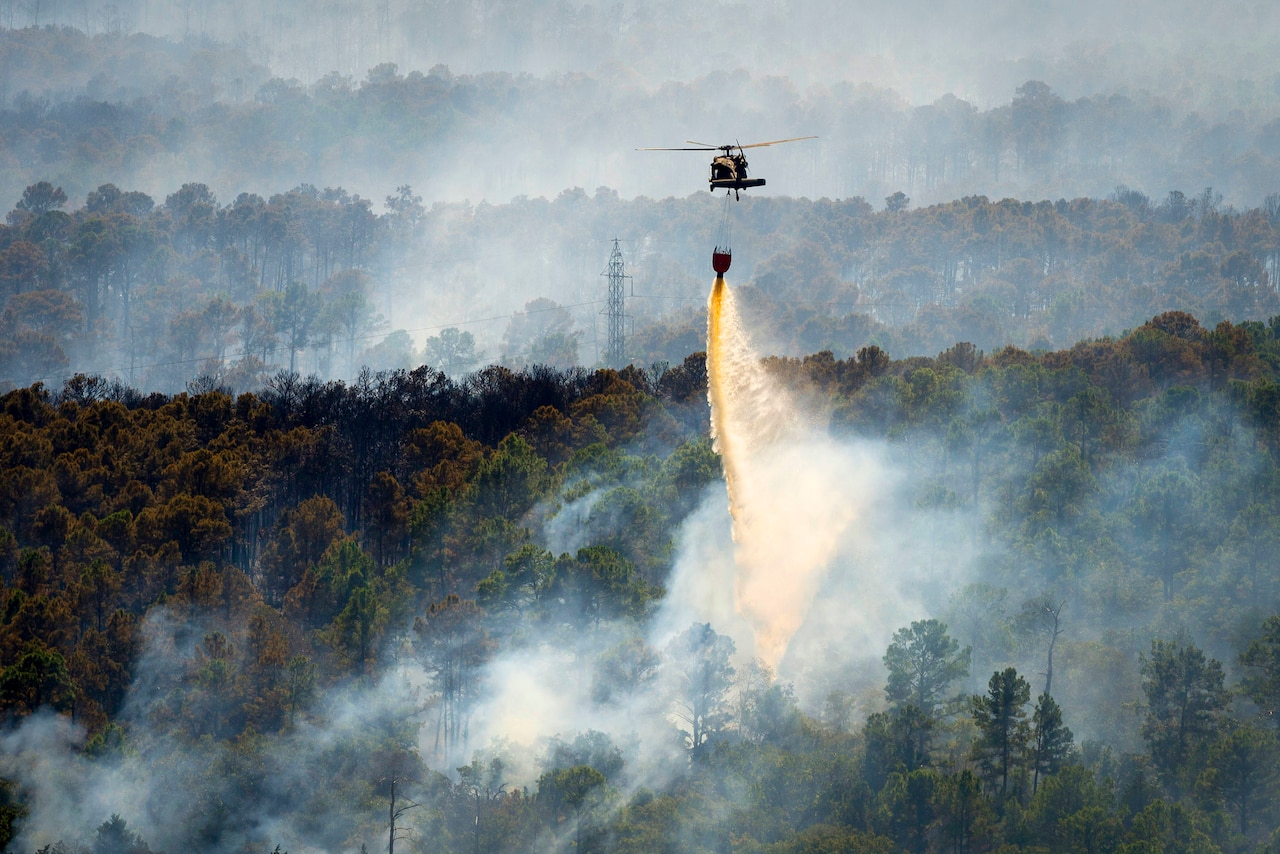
point(423, 120)
point(305, 280)
point(309, 536)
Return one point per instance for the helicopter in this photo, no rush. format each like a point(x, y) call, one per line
point(729, 168)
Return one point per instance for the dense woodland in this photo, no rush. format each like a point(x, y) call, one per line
point(302, 540)
point(139, 112)
point(178, 212)
point(1202, 51)
point(274, 542)
point(157, 295)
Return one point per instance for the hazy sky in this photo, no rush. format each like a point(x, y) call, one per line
point(976, 49)
point(611, 77)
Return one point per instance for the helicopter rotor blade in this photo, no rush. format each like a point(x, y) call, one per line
point(706, 146)
point(774, 142)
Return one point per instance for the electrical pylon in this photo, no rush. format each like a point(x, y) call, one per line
point(615, 351)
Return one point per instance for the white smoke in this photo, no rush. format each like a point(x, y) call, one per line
point(832, 556)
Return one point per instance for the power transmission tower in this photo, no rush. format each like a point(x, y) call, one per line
point(615, 351)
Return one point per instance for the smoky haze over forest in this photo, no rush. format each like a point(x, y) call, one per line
point(977, 49)
point(488, 113)
point(1196, 83)
point(316, 492)
point(501, 118)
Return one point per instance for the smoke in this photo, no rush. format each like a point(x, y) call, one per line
point(831, 551)
point(830, 542)
point(39, 754)
point(792, 492)
point(824, 555)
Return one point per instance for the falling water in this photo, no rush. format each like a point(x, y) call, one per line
point(721, 435)
point(788, 516)
point(749, 412)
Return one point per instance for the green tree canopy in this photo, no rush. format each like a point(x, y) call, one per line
point(1004, 731)
point(923, 662)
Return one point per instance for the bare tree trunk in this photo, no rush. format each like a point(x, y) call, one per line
point(391, 815)
point(1053, 641)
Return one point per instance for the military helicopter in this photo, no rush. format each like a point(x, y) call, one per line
point(729, 169)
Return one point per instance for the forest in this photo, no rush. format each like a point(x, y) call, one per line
point(326, 526)
point(129, 117)
point(192, 290)
point(203, 584)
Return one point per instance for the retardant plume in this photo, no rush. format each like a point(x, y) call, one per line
point(784, 540)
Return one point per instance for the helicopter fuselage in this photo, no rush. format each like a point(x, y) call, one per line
point(729, 172)
point(729, 168)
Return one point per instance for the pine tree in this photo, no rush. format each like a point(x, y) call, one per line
point(923, 661)
point(1262, 684)
point(703, 676)
point(1001, 718)
point(1186, 702)
point(963, 812)
point(1051, 740)
point(1242, 772)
